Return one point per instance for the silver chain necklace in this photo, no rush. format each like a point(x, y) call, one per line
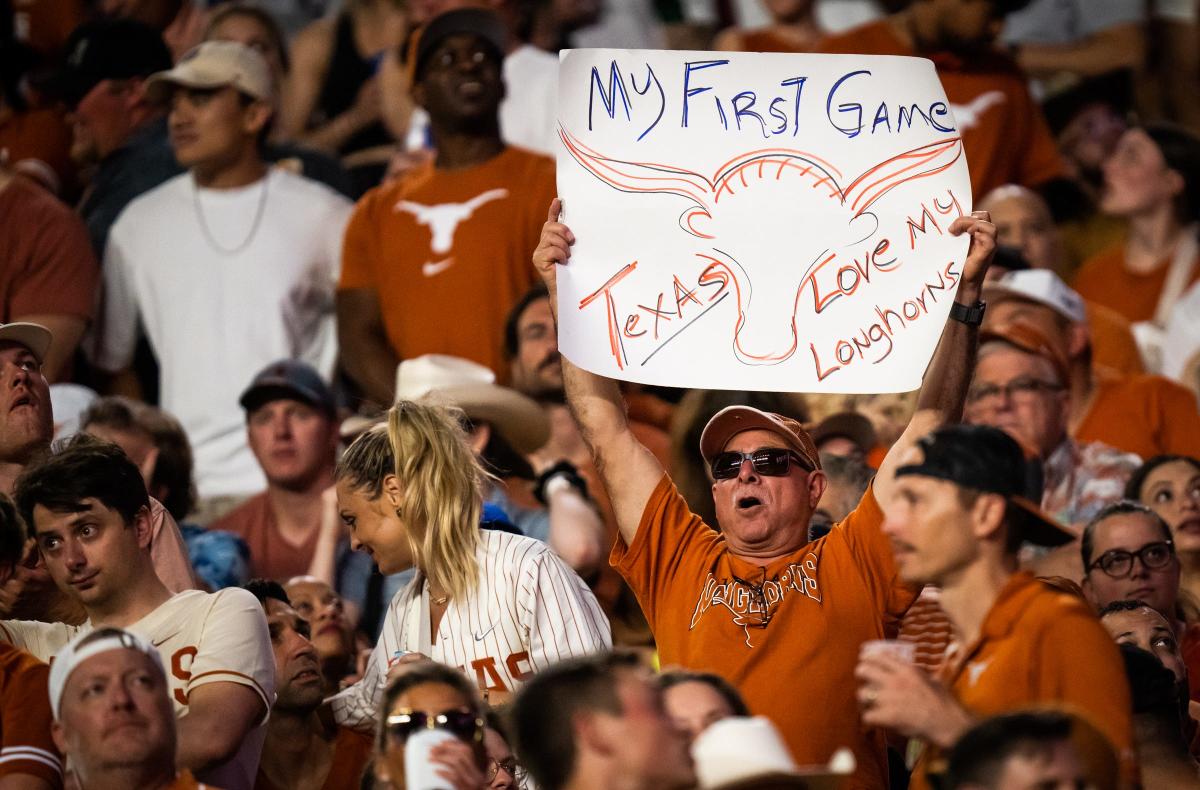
point(258, 215)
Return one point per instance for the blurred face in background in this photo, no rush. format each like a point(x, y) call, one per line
point(1172, 491)
point(1137, 180)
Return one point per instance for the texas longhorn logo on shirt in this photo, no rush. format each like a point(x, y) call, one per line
point(753, 605)
point(443, 220)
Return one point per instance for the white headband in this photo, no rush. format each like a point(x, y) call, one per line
point(91, 644)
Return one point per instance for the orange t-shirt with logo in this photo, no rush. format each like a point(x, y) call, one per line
point(1004, 133)
point(786, 635)
point(448, 252)
point(1105, 280)
point(1146, 415)
point(1040, 646)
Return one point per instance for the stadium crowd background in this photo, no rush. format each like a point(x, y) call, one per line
point(268, 519)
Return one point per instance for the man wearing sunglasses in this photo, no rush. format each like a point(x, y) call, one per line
point(749, 598)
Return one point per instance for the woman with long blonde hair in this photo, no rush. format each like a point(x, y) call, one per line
point(497, 605)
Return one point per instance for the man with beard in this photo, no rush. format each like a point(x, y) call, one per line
point(447, 245)
point(301, 751)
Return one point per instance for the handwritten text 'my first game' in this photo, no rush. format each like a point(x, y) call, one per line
point(771, 113)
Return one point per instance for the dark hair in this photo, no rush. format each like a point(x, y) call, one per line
point(1122, 508)
point(1160, 701)
point(544, 709)
point(85, 468)
point(1180, 150)
point(1133, 488)
point(264, 589)
point(419, 675)
point(172, 476)
point(714, 681)
point(512, 338)
point(1127, 605)
point(979, 756)
point(259, 15)
point(12, 533)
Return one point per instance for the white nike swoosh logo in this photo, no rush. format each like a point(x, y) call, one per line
point(433, 269)
point(479, 638)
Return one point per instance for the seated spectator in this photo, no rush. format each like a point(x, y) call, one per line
point(29, 759)
point(793, 28)
point(1170, 486)
point(1140, 414)
point(1160, 724)
point(432, 696)
point(1003, 131)
point(504, 428)
point(846, 434)
point(112, 713)
point(35, 138)
point(1019, 750)
point(1138, 624)
point(503, 770)
point(411, 495)
point(302, 749)
point(1020, 386)
point(416, 250)
point(332, 631)
point(599, 722)
point(244, 237)
point(88, 510)
point(292, 429)
point(695, 700)
point(1152, 181)
point(958, 519)
point(48, 274)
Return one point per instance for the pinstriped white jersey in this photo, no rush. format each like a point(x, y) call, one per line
point(203, 638)
point(529, 611)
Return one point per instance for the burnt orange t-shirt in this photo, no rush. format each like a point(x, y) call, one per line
point(1103, 279)
point(1004, 133)
point(786, 635)
point(1146, 415)
point(1040, 646)
point(271, 557)
point(1113, 348)
point(25, 718)
point(448, 252)
point(351, 752)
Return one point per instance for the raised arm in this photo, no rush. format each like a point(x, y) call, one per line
point(630, 471)
point(944, 389)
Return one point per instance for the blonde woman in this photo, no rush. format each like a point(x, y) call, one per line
point(498, 606)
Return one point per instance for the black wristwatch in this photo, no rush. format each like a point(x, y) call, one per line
point(971, 316)
point(564, 469)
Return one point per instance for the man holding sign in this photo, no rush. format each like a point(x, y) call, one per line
point(756, 602)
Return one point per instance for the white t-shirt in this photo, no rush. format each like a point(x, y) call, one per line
point(216, 318)
point(529, 611)
point(203, 638)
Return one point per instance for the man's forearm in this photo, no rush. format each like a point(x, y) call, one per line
point(944, 389)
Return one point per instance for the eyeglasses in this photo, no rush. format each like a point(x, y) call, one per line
point(758, 614)
point(769, 461)
point(1118, 563)
point(462, 724)
point(510, 766)
point(1022, 389)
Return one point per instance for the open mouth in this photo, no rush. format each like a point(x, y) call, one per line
point(748, 502)
point(1191, 526)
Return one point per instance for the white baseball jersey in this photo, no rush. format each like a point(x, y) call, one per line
point(529, 611)
point(203, 638)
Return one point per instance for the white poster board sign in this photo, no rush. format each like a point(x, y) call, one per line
point(757, 221)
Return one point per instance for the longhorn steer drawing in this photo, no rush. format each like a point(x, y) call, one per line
point(784, 184)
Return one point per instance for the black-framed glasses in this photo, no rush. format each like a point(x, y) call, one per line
point(462, 724)
point(768, 461)
point(1023, 388)
point(510, 765)
point(1118, 563)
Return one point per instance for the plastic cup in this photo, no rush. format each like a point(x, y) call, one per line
point(420, 773)
point(897, 648)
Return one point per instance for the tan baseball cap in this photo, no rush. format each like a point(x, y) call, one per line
point(34, 337)
point(733, 420)
point(215, 64)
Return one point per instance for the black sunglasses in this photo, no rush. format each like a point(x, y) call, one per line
point(462, 724)
point(769, 461)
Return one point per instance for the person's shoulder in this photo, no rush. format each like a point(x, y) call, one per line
point(1107, 259)
point(156, 202)
point(15, 662)
point(384, 195)
point(523, 160)
point(871, 38)
point(519, 549)
point(528, 58)
point(243, 518)
point(308, 192)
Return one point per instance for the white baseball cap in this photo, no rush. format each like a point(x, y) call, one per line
point(102, 640)
point(1038, 285)
point(34, 337)
point(216, 64)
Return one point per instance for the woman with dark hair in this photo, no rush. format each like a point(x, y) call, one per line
point(1170, 486)
point(1152, 182)
point(694, 700)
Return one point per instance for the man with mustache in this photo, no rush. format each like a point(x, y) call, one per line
point(301, 750)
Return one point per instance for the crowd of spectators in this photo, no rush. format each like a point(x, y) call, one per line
point(271, 518)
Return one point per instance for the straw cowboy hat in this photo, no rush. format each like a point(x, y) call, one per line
point(473, 388)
